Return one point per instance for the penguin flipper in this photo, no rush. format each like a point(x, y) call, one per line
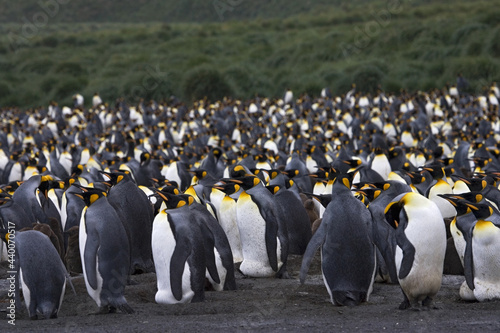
point(271, 239)
point(90, 257)
point(383, 237)
point(314, 244)
point(177, 262)
point(468, 262)
point(408, 253)
point(209, 244)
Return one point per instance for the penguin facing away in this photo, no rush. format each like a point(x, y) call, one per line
point(104, 250)
point(348, 274)
point(136, 213)
point(42, 274)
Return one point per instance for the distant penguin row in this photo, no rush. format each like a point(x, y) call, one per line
point(194, 193)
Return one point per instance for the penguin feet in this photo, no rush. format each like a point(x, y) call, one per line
point(283, 275)
point(429, 304)
point(103, 310)
point(405, 304)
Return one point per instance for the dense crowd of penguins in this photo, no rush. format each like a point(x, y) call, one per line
point(391, 188)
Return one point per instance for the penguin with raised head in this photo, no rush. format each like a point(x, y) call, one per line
point(42, 274)
point(348, 273)
point(421, 245)
point(104, 251)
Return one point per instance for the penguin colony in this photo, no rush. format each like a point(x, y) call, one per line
point(388, 188)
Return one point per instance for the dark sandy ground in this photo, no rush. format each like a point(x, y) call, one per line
point(264, 305)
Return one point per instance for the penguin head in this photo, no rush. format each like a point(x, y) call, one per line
point(200, 173)
point(481, 211)
point(77, 170)
point(115, 177)
point(436, 170)
point(273, 173)
point(228, 188)
point(172, 189)
point(291, 173)
point(393, 209)
point(247, 182)
point(47, 183)
point(274, 188)
point(145, 158)
point(344, 179)
point(368, 194)
point(460, 203)
point(175, 201)
point(89, 195)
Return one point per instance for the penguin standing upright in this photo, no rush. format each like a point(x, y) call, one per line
point(105, 252)
point(483, 263)
point(221, 248)
point(42, 274)
point(27, 196)
point(180, 254)
point(421, 246)
point(264, 239)
point(292, 211)
point(226, 214)
point(461, 228)
point(348, 257)
point(136, 213)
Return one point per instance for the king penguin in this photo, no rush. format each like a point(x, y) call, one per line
point(42, 274)
point(485, 265)
point(295, 215)
point(264, 239)
point(104, 251)
point(136, 213)
point(179, 253)
point(421, 246)
point(348, 273)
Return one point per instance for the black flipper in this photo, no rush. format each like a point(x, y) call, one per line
point(384, 239)
point(314, 244)
point(406, 246)
point(177, 262)
point(90, 256)
point(209, 246)
point(271, 234)
point(468, 261)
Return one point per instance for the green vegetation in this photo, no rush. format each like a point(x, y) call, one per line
point(417, 45)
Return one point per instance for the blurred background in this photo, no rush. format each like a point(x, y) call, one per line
point(53, 49)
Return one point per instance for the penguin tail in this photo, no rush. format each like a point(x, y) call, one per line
point(348, 298)
point(48, 310)
point(122, 305)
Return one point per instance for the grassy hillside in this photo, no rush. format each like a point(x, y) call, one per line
point(417, 45)
point(140, 11)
